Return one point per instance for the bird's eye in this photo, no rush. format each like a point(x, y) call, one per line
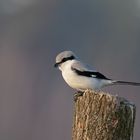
point(63, 60)
point(68, 58)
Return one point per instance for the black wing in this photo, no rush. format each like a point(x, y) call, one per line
point(90, 74)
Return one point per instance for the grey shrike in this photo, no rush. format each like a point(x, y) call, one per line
point(80, 76)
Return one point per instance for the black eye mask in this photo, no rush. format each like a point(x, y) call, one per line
point(64, 60)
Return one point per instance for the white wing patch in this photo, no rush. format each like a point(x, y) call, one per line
point(93, 76)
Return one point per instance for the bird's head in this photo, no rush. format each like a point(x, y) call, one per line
point(63, 57)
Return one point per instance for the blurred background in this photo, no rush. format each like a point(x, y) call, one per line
point(35, 102)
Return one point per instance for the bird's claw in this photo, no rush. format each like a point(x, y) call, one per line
point(77, 94)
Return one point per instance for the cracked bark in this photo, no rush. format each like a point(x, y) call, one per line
point(101, 116)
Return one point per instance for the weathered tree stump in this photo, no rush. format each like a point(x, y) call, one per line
point(101, 116)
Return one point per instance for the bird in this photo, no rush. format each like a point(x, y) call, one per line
point(81, 76)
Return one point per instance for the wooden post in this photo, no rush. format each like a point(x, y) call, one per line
point(101, 116)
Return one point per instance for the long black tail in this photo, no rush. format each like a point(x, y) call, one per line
point(125, 83)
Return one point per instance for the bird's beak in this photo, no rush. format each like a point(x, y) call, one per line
point(56, 65)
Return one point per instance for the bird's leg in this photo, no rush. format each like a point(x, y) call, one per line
point(77, 94)
point(98, 90)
